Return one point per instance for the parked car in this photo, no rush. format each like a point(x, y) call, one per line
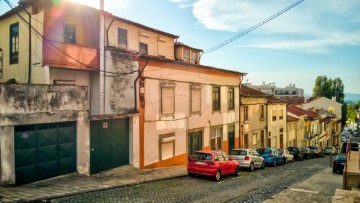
point(298, 155)
point(354, 146)
point(248, 158)
point(330, 150)
point(271, 156)
point(339, 163)
point(308, 154)
point(287, 156)
point(317, 151)
point(212, 163)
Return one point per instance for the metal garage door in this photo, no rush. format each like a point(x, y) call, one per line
point(44, 150)
point(109, 143)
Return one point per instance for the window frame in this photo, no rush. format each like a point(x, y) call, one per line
point(281, 112)
point(121, 39)
point(194, 57)
point(216, 102)
point(246, 113)
point(187, 58)
point(195, 87)
point(143, 45)
point(162, 87)
point(273, 115)
point(218, 130)
point(14, 55)
point(231, 98)
point(262, 112)
point(162, 141)
point(66, 39)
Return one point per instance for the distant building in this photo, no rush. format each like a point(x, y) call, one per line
point(270, 88)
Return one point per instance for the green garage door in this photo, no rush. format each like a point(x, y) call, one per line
point(44, 150)
point(109, 143)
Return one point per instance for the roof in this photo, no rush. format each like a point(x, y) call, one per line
point(275, 100)
point(291, 118)
point(296, 110)
point(166, 60)
point(184, 45)
point(294, 99)
point(246, 91)
point(325, 112)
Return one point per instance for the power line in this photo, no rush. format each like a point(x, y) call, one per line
point(218, 46)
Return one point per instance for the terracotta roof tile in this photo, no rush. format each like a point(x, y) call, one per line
point(246, 91)
point(291, 118)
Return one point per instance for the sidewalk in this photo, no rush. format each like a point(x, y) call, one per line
point(318, 188)
point(75, 184)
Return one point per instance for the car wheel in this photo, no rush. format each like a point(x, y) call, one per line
point(293, 160)
point(191, 174)
point(263, 165)
point(237, 171)
point(334, 171)
point(274, 164)
point(252, 167)
point(286, 161)
point(218, 175)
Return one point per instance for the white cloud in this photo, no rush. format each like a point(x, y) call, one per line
point(324, 24)
point(183, 3)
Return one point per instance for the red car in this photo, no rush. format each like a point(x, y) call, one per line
point(212, 163)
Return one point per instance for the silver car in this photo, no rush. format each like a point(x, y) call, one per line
point(248, 158)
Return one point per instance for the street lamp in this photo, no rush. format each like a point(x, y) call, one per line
point(331, 110)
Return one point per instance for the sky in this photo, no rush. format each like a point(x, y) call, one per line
point(314, 38)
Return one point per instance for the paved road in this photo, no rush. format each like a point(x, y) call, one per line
point(247, 187)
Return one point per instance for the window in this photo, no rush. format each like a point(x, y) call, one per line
point(195, 99)
point(14, 43)
point(216, 137)
point(194, 56)
point(254, 138)
point(274, 115)
point(167, 99)
point(246, 141)
point(281, 137)
point(167, 146)
point(246, 113)
point(143, 48)
point(216, 98)
point(186, 55)
point(231, 100)
point(70, 34)
point(122, 38)
point(262, 112)
point(262, 138)
point(281, 114)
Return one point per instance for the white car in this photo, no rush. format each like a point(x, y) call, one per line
point(287, 156)
point(248, 158)
point(330, 150)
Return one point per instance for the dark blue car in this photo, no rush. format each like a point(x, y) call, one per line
point(271, 156)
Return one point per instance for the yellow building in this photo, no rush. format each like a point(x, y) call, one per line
point(277, 132)
point(252, 118)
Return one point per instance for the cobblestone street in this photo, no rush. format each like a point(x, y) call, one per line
point(248, 187)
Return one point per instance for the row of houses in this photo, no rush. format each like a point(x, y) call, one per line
point(85, 91)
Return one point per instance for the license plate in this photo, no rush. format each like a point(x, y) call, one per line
point(200, 163)
point(342, 163)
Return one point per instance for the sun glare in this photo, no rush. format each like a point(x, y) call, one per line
point(94, 4)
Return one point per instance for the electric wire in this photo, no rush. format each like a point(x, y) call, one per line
point(218, 46)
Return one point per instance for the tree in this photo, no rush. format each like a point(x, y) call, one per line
point(327, 87)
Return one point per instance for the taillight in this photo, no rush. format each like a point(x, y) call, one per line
point(335, 162)
point(247, 158)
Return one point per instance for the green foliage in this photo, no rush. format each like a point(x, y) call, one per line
point(327, 87)
point(352, 111)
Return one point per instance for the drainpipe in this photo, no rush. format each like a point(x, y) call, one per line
point(102, 60)
point(137, 78)
point(29, 68)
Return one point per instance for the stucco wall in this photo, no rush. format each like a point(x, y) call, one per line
point(29, 104)
point(325, 103)
point(183, 120)
point(158, 44)
point(274, 126)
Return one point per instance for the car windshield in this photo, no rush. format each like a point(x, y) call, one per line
point(313, 147)
point(281, 151)
point(201, 156)
point(303, 149)
point(328, 147)
point(293, 149)
point(238, 152)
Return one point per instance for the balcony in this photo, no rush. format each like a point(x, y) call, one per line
point(71, 56)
